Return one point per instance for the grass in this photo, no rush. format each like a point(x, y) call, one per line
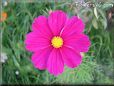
point(97, 66)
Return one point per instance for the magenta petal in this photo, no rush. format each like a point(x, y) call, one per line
point(71, 58)
point(55, 63)
point(73, 25)
point(35, 42)
point(39, 58)
point(40, 24)
point(56, 21)
point(80, 42)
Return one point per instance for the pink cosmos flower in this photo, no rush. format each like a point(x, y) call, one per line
point(57, 41)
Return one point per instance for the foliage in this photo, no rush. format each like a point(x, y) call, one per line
point(97, 66)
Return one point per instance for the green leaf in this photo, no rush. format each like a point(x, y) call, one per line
point(104, 23)
point(95, 24)
point(106, 6)
point(16, 62)
point(95, 12)
point(103, 19)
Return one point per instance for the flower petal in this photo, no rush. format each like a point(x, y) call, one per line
point(71, 58)
point(39, 58)
point(73, 25)
point(80, 42)
point(40, 24)
point(56, 21)
point(35, 42)
point(55, 63)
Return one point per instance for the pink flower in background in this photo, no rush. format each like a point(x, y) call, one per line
point(57, 41)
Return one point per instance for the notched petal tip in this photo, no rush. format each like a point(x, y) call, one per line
point(38, 21)
point(71, 57)
point(55, 63)
point(56, 21)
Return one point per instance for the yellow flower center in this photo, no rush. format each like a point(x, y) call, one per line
point(57, 42)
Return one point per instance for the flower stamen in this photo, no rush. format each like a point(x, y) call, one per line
point(57, 42)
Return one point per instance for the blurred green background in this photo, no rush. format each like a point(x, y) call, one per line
point(98, 64)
